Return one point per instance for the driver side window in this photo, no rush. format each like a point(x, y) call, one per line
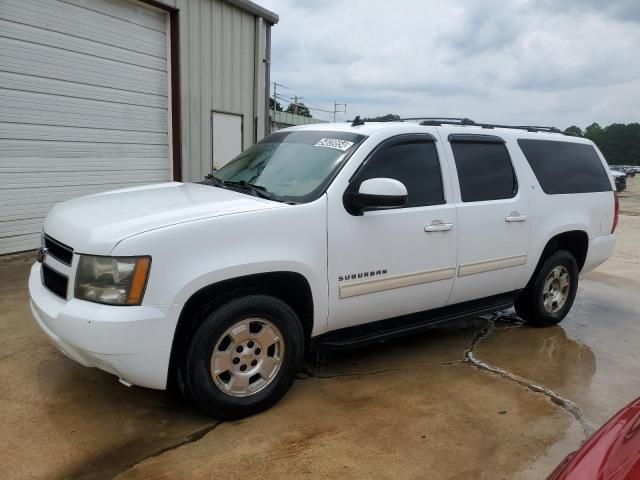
point(414, 163)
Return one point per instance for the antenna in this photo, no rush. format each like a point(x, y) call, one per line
point(357, 121)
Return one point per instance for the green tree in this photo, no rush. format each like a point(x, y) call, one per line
point(574, 130)
point(619, 143)
point(389, 117)
point(274, 105)
point(299, 109)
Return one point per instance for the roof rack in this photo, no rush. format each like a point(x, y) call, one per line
point(438, 121)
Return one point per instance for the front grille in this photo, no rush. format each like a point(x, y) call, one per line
point(54, 281)
point(58, 250)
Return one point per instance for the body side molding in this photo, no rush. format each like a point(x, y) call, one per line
point(396, 281)
point(489, 265)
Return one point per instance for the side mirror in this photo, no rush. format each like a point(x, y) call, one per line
point(375, 194)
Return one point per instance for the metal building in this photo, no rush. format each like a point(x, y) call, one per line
point(104, 94)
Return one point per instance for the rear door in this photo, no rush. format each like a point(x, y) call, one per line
point(493, 217)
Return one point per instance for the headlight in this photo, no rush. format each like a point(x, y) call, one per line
point(112, 280)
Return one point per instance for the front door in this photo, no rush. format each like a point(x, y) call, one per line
point(393, 262)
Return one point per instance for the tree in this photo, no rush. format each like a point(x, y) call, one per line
point(299, 109)
point(573, 130)
point(389, 117)
point(272, 102)
point(592, 129)
point(619, 143)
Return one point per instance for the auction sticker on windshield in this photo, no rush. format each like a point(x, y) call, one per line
point(336, 143)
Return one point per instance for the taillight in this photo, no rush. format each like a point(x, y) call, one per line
point(616, 211)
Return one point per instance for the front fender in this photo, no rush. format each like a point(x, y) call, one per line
point(189, 256)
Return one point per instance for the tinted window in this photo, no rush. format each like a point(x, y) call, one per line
point(414, 163)
point(565, 167)
point(484, 171)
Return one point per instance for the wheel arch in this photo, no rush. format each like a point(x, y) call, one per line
point(575, 242)
point(291, 287)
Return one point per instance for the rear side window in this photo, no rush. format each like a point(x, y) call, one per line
point(414, 163)
point(484, 170)
point(565, 167)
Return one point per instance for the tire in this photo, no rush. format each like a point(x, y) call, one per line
point(232, 328)
point(544, 301)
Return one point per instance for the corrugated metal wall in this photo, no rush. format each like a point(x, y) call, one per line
point(83, 106)
point(222, 49)
point(96, 118)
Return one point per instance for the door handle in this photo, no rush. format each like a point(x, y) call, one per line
point(516, 217)
point(438, 227)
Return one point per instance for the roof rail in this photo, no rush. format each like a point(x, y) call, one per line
point(435, 121)
point(528, 128)
point(438, 121)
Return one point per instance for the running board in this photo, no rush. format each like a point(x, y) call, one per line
point(382, 330)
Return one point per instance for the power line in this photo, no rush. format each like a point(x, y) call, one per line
point(297, 102)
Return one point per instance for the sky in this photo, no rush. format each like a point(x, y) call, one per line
point(536, 62)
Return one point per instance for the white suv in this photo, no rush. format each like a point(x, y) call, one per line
point(329, 235)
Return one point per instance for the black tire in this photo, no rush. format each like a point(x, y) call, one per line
point(530, 304)
point(201, 386)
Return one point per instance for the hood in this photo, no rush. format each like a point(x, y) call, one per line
point(96, 223)
point(612, 453)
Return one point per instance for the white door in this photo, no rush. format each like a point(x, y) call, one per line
point(493, 226)
point(83, 105)
point(227, 137)
point(393, 262)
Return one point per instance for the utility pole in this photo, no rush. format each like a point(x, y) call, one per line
point(275, 93)
point(335, 109)
point(295, 103)
point(275, 96)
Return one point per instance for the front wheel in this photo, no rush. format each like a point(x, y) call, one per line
point(244, 356)
point(550, 294)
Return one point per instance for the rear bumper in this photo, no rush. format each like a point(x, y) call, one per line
point(133, 343)
point(600, 248)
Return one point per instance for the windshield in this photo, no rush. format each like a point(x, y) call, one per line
point(292, 166)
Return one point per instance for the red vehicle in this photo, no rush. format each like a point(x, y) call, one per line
point(612, 453)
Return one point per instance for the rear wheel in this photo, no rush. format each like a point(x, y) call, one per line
point(550, 294)
point(244, 356)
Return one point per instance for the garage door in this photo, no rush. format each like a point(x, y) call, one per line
point(83, 105)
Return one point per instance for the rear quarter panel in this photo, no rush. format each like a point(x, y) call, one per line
point(551, 215)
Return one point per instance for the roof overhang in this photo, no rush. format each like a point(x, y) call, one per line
point(256, 9)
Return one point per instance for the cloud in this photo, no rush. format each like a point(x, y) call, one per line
point(518, 61)
point(625, 10)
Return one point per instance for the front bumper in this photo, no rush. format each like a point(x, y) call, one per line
point(133, 343)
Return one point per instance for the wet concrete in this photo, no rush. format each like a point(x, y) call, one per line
point(486, 398)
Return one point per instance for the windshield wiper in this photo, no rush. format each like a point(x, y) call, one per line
point(215, 180)
point(256, 190)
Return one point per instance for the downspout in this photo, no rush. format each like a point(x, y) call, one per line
point(267, 82)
